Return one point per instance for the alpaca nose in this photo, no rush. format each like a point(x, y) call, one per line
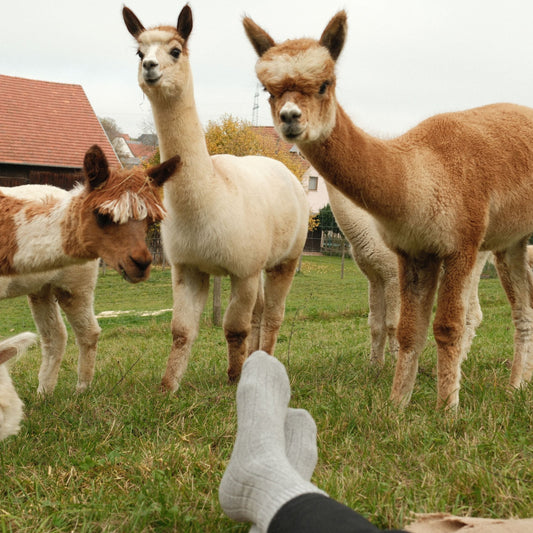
point(290, 113)
point(149, 64)
point(142, 263)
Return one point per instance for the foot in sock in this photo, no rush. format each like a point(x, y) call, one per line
point(259, 478)
point(300, 445)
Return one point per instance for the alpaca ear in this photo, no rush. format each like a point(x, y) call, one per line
point(161, 173)
point(95, 167)
point(7, 354)
point(334, 35)
point(184, 26)
point(259, 38)
point(133, 24)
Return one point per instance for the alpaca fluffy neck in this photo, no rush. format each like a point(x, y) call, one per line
point(180, 132)
point(371, 172)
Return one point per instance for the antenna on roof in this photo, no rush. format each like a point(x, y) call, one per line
point(255, 108)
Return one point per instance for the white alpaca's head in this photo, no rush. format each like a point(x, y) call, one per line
point(300, 77)
point(164, 70)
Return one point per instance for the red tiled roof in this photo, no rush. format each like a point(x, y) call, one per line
point(47, 123)
point(140, 150)
point(269, 132)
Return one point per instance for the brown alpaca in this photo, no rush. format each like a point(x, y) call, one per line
point(455, 185)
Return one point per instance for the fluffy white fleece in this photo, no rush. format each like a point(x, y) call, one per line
point(10, 404)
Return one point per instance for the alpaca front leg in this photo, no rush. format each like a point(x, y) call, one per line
point(376, 321)
point(190, 290)
point(418, 283)
point(237, 322)
point(257, 315)
point(277, 285)
point(53, 333)
point(517, 282)
point(456, 284)
point(392, 313)
point(474, 314)
point(79, 310)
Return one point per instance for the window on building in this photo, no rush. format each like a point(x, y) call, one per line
point(313, 183)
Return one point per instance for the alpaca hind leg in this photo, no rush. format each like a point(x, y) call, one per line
point(257, 315)
point(190, 289)
point(277, 285)
point(392, 313)
point(418, 283)
point(53, 333)
point(78, 307)
point(474, 314)
point(376, 321)
point(238, 320)
point(517, 282)
point(449, 324)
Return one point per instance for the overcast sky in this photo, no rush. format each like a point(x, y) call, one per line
point(404, 60)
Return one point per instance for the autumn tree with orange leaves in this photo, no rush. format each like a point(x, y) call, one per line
point(230, 135)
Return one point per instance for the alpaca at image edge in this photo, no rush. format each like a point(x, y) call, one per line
point(455, 185)
point(11, 406)
point(51, 242)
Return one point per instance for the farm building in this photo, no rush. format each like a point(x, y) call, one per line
point(45, 130)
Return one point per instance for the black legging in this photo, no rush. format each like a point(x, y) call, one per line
point(315, 513)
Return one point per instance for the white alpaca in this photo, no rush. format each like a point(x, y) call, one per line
point(51, 239)
point(227, 216)
point(380, 266)
point(10, 404)
point(456, 185)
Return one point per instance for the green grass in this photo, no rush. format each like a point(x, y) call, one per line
point(124, 457)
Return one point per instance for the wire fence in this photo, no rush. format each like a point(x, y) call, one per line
point(319, 242)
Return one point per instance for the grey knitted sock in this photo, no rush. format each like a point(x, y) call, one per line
point(259, 478)
point(300, 444)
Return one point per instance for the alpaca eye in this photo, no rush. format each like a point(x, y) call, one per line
point(175, 53)
point(271, 96)
point(103, 220)
point(140, 54)
point(323, 87)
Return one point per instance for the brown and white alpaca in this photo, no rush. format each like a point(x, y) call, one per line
point(456, 184)
point(52, 238)
point(227, 216)
point(106, 217)
point(71, 290)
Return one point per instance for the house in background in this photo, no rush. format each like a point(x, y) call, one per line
point(315, 186)
point(133, 152)
point(312, 182)
point(45, 130)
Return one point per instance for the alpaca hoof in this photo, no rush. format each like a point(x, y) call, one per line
point(81, 388)
point(233, 377)
point(377, 361)
point(165, 387)
point(400, 401)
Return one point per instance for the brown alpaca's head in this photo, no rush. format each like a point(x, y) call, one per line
point(164, 69)
point(114, 209)
point(300, 77)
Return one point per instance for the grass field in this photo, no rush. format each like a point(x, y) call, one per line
point(124, 457)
